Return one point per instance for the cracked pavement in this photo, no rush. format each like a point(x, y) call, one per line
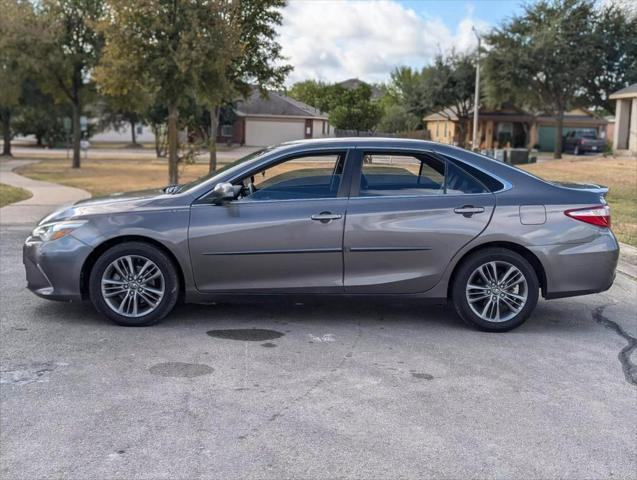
point(338, 388)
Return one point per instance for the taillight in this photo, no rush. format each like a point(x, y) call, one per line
point(598, 215)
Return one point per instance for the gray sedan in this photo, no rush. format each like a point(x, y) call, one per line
point(333, 217)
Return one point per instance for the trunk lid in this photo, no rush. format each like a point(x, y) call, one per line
point(585, 187)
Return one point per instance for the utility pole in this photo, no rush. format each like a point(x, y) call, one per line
point(476, 101)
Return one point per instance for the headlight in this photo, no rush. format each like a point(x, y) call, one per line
point(56, 230)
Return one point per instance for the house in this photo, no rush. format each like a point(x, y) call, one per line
point(261, 121)
point(123, 134)
point(508, 126)
point(625, 132)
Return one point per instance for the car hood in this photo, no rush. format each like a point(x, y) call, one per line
point(114, 203)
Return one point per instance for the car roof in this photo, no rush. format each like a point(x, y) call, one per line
point(362, 141)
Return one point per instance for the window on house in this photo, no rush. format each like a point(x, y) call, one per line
point(140, 129)
point(226, 130)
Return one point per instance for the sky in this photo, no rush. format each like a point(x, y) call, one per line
point(333, 40)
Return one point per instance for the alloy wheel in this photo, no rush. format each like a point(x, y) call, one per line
point(133, 286)
point(497, 291)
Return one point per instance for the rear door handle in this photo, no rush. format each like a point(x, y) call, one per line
point(326, 217)
point(468, 210)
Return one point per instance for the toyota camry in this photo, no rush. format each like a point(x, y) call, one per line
point(351, 216)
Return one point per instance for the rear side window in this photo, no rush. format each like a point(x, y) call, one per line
point(492, 184)
point(386, 174)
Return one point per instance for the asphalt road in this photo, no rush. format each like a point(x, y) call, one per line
point(350, 389)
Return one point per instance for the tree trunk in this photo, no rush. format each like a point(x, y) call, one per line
point(133, 133)
point(173, 172)
point(6, 132)
point(212, 148)
point(77, 134)
point(557, 153)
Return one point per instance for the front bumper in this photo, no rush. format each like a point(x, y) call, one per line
point(591, 148)
point(579, 269)
point(54, 269)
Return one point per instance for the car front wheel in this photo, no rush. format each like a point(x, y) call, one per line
point(134, 284)
point(495, 290)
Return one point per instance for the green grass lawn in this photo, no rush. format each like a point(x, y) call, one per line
point(9, 194)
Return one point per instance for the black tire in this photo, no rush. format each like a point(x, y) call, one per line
point(161, 260)
point(469, 266)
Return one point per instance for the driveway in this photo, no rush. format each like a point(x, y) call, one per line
point(348, 388)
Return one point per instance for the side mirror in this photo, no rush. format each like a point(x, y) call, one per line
point(223, 191)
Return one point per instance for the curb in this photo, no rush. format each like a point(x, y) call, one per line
point(627, 260)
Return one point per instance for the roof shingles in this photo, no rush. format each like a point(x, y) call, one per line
point(276, 104)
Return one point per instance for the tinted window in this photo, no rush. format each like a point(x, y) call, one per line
point(385, 174)
point(315, 176)
point(459, 181)
point(390, 175)
point(488, 181)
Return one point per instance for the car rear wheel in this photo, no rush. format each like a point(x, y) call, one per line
point(495, 290)
point(134, 284)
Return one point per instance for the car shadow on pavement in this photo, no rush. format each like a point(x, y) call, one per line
point(549, 316)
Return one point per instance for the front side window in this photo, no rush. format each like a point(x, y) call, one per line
point(306, 177)
point(386, 174)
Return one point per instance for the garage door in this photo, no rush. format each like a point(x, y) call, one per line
point(546, 137)
point(260, 133)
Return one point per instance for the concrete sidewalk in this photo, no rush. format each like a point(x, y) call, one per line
point(46, 196)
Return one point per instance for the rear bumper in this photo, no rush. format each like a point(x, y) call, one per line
point(579, 269)
point(53, 269)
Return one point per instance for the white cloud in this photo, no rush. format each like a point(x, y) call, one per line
point(333, 41)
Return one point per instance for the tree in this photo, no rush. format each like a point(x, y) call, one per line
point(542, 58)
point(38, 114)
point(320, 95)
point(355, 110)
point(117, 111)
point(397, 119)
point(348, 108)
point(409, 88)
point(259, 64)
point(449, 89)
point(13, 64)
point(65, 49)
point(172, 50)
point(613, 57)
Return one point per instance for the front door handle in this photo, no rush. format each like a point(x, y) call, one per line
point(468, 210)
point(326, 217)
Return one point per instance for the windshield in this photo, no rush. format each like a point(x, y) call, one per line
point(226, 168)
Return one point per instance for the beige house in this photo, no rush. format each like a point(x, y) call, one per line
point(625, 132)
point(508, 127)
point(274, 119)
